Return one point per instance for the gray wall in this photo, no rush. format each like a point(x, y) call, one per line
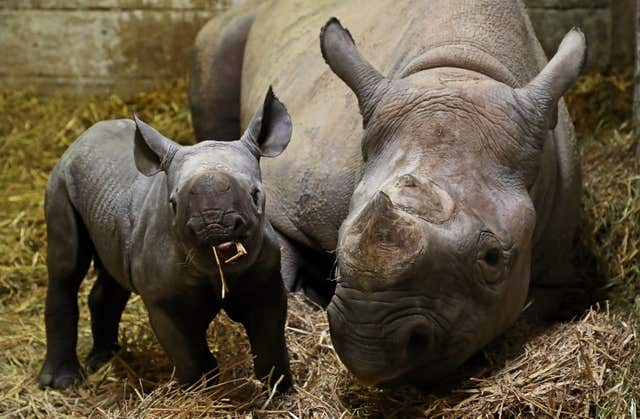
point(608, 24)
point(123, 46)
point(98, 46)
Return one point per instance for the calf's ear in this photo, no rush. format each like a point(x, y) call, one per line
point(545, 90)
point(269, 130)
point(152, 151)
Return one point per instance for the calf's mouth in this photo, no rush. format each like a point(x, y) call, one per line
point(225, 249)
point(230, 251)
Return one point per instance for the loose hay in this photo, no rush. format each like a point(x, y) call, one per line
point(580, 368)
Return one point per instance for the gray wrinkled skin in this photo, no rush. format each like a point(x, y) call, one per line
point(434, 155)
point(148, 212)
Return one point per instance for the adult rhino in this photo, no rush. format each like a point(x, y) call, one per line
point(442, 168)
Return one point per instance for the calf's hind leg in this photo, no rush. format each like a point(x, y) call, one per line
point(69, 254)
point(106, 303)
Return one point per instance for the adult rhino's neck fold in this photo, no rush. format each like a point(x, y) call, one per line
point(463, 56)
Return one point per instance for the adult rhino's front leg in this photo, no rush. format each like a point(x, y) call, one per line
point(304, 269)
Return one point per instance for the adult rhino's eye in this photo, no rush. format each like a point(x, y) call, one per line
point(490, 259)
point(172, 202)
point(492, 256)
point(255, 195)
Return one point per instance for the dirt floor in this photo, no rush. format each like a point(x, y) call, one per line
point(586, 365)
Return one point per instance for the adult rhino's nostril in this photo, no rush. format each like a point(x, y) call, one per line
point(417, 343)
point(417, 340)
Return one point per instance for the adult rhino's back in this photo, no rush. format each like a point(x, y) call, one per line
point(311, 184)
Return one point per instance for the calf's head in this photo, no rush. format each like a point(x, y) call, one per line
point(434, 257)
point(214, 190)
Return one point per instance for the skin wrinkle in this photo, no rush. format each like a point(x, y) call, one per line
point(440, 295)
point(485, 65)
point(275, 195)
point(399, 315)
point(440, 103)
point(534, 131)
point(370, 99)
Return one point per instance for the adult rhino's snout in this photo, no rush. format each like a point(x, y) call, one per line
point(381, 336)
point(218, 211)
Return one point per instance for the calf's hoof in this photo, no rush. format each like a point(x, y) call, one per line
point(100, 356)
point(61, 375)
point(210, 374)
point(283, 381)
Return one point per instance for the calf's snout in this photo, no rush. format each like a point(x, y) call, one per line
point(218, 209)
point(213, 226)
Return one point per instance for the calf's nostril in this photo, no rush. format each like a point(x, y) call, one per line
point(238, 224)
point(191, 225)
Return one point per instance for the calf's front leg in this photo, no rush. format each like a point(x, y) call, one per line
point(180, 324)
point(262, 310)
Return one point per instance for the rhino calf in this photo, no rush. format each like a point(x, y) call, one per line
point(155, 216)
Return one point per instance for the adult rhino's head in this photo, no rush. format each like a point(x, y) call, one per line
point(434, 257)
point(214, 188)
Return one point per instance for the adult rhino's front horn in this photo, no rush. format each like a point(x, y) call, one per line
point(380, 243)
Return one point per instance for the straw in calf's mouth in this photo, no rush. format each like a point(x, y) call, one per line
point(240, 251)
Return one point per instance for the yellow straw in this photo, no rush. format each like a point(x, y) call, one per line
point(224, 283)
point(241, 251)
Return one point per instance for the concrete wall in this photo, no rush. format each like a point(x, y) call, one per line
point(123, 46)
point(608, 24)
point(98, 46)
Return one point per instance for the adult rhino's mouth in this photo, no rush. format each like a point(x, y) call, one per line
point(385, 340)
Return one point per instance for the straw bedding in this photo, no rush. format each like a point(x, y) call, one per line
point(584, 366)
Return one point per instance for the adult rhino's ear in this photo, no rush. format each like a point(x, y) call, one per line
point(152, 151)
point(546, 89)
point(340, 52)
point(269, 130)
